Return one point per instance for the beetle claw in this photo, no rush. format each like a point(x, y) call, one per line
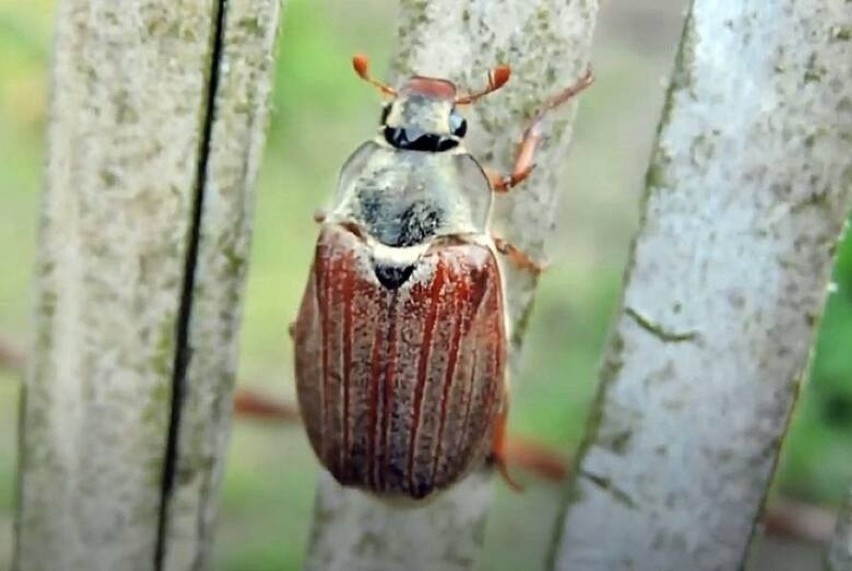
point(503, 468)
point(518, 257)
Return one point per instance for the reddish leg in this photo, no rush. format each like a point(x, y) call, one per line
point(518, 257)
point(524, 161)
point(527, 456)
point(499, 448)
point(250, 404)
point(523, 167)
point(524, 164)
point(535, 458)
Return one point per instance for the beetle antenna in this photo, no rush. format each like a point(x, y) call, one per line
point(361, 64)
point(496, 79)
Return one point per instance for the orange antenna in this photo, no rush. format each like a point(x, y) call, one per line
point(496, 79)
point(361, 64)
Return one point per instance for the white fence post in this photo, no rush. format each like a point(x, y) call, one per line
point(746, 195)
point(157, 123)
point(547, 44)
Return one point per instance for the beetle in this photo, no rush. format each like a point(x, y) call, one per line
point(402, 334)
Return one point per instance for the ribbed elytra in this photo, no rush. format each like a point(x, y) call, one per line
point(402, 396)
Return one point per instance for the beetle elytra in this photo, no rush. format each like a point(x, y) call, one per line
point(401, 338)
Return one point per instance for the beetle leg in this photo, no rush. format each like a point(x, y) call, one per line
point(518, 257)
point(505, 182)
point(524, 161)
point(250, 404)
point(535, 458)
point(530, 457)
point(499, 447)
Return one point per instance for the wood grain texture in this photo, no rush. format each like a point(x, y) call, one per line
point(547, 43)
point(234, 154)
point(746, 196)
point(131, 129)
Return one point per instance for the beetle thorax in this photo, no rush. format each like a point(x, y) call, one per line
point(405, 198)
point(414, 182)
point(418, 112)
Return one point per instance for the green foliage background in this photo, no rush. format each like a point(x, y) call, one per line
point(320, 114)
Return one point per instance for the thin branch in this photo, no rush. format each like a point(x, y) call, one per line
point(785, 517)
point(793, 519)
point(12, 356)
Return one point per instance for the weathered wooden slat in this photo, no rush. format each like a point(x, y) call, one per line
point(546, 42)
point(244, 60)
point(746, 196)
point(156, 124)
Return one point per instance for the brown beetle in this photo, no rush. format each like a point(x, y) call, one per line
point(401, 338)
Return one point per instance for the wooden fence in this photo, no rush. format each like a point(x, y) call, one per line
point(745, 198)
point(157, 120)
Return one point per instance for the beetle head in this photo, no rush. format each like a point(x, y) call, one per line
point(422, 116)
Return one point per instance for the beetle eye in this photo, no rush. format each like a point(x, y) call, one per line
point(385, 112)
point(458, 125)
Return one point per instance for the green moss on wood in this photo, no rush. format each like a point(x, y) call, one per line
point(523, 323)
point(841, 33)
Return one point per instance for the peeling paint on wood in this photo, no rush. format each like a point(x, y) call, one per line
point(746, 196)
point(547, 44)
